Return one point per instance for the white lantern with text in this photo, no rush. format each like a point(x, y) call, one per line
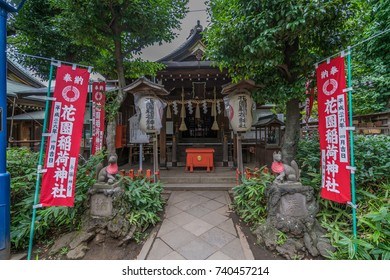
point(239, 110)
point(150, 111)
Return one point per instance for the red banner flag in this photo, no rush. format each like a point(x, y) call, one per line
point(333, 121)
point(98, 101)
point(63, 145)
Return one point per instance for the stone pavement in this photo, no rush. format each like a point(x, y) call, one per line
point(197, 226)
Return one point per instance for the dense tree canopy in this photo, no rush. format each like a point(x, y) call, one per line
point(276, 43)
point(371, 59)
point(107, 34)
point(34, 31)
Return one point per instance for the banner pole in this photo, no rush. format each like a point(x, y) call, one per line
point(38, 181)
point(351, 139)
point(90, 105)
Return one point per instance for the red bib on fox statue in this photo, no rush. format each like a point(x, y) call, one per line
point(277, 167)
point(112, 169)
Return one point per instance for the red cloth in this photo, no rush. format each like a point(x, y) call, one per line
point(332, 123)
point(63, 145)
point(277, 167)
point(112, 169)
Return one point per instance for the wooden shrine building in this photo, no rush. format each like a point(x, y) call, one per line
point(194, 116)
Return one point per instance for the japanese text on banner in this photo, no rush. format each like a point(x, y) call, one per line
point(66, 124)
point(332, 119)
point(98, 102)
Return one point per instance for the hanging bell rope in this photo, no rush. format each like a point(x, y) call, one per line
point(183, 126)
point(183, 111)
point(169, 113)
point(214, 110)
point(197, 111)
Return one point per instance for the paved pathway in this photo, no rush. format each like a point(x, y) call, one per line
point(197, 226)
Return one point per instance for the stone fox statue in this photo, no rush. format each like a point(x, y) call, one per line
point(107, 174)
point(286, 172)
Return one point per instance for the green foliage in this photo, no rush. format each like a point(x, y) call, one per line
point(371, 60)
point(249, 198)
point(281, 238)
point(144, 198)
point(373, 226)
point(372, 159)
point(308, 159)
point(64, 250)
point(276, 42)
point(36, 32)
point(106, 34)
point(111, 106)
point(22, 164)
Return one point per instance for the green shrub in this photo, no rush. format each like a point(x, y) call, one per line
point(145, 202)
point(142, 197)
point(373, 226)
point(372, 159)
point(22, 165)
point(249, 198)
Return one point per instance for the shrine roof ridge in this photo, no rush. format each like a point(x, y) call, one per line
point(143, 84)
point(184, 49)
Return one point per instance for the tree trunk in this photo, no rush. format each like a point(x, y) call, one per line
point(291, 135)
point(111, 126)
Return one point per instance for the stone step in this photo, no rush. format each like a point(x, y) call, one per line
point(196, 187)
point(182, 163)
point(198, 180)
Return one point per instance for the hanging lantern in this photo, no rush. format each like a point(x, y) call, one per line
point(239, 110)
point(150, 111)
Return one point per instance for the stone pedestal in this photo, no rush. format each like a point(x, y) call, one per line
point(290, 207)
point(101, 205)
point(101, 200)
point(291, 227)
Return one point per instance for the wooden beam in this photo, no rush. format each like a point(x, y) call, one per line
point(163, 141)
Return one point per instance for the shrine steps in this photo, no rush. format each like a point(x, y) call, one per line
point(199, 187)
point(197, 179)
point(176, 178)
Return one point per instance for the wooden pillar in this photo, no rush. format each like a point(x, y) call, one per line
point(234, 149)
point(163, 141)
point(225, 156)
point(174, 150)
point(155, 157)
point(32, 135)
point(256, 147)
point(174, 144)
point(240, 165)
